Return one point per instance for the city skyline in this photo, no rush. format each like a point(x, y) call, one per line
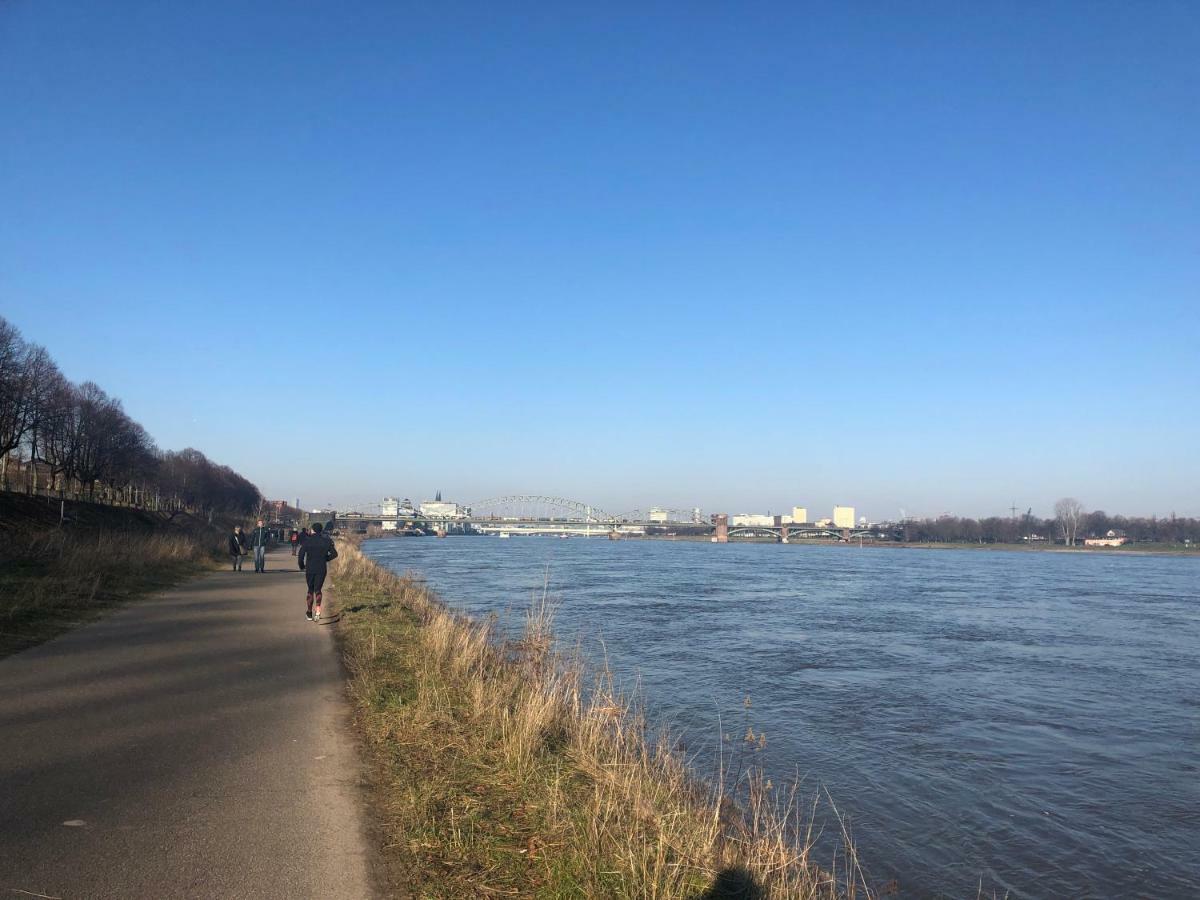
point(938, 261)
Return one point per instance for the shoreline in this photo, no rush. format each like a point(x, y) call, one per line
point(1169, 550)
point(1021, 548)
point(499, 758)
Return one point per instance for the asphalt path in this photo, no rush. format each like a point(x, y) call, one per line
point(193, 744)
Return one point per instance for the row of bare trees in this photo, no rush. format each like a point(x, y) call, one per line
point(75, 440)
point(1070, 524)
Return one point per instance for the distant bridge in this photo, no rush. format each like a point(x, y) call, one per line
point(784, 533)
point(536, 507)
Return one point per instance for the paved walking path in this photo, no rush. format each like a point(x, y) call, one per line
point(194, 744)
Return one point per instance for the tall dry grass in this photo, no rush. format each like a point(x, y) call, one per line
point(51, 580)
point(504, 768)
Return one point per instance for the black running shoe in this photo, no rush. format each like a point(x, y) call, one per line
point(308, 615)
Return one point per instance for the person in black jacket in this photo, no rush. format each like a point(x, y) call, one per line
point(237, 547)
point(315, 554)
point(260, 539)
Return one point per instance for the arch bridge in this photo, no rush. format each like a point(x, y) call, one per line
point(778, 532)
point(538, 507)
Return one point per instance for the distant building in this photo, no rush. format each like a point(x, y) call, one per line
point(843, 516)
point(659, 515)
point(1111, 539)
point(324, 516)
point(823, 523)
point(441, 509)
point(696, 519)
point(389, 507)
point(799, 515)
point(751, 520)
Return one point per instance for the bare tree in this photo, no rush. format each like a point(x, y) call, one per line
point(1068, 512)
point(44, 383)
point(60, 434)
point(15, 407)
point(99, 420)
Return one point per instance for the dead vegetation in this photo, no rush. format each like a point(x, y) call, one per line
point(502, 769)
point(52, 579)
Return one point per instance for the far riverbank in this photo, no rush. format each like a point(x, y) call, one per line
point(1170, 550)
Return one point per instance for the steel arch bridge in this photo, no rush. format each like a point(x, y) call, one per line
point(538, 507)
point(776, 532)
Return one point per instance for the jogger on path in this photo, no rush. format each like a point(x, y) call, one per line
point(315, 554)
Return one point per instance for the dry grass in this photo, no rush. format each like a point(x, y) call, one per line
point(504, 771)
point(52, 580)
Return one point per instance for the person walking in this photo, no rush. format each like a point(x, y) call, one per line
point(259, 539)
point(237, 547)
point(294, 540)
point(315, 554)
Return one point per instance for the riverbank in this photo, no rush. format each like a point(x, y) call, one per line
point(499, 767)
point(64, 564)
point(1126, 550)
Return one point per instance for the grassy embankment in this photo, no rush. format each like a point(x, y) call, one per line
point(502, 770)
point(54, 577)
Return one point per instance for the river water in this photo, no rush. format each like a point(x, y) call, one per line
point(1028, 721)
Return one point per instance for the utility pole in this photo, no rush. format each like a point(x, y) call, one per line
point(1013, 510)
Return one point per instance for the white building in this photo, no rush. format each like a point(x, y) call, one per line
point(441, 509)
point(402, 509)
point(751, 520)
point(659, 515)
point(843, 516)
point(799, 515)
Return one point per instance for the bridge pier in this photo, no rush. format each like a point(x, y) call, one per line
point(722, 533)
point(783, 534)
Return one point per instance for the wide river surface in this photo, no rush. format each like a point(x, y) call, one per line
point(1028, 721)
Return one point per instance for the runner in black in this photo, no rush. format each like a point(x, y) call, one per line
point(315, 554)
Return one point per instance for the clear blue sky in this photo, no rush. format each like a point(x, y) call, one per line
point(938, 256)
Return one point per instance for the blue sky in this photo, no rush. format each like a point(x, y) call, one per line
point(937, 256)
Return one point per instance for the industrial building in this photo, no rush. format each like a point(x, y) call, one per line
point(750, 520)
point(391, 507)
point(442, 509)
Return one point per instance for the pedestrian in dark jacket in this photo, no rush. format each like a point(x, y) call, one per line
point(237, 547)
point(315, 554)
point(294, 540)
point(260, 538)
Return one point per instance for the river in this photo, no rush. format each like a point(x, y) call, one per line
point(1028, 721)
